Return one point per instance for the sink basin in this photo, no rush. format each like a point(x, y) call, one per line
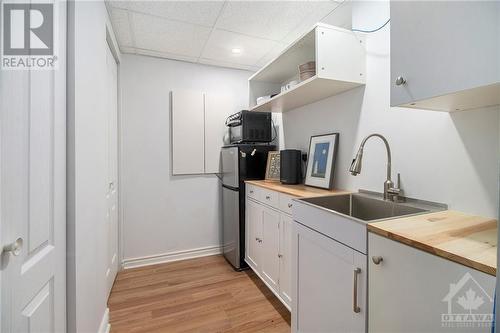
point(344, 217)
point(363, 207)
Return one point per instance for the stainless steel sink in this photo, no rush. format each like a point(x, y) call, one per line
point(365, 208)
point(344, 217)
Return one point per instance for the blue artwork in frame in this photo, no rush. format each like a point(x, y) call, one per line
point(321, 161)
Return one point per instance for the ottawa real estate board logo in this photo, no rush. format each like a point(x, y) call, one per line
point(469, 305)
point(28, 34)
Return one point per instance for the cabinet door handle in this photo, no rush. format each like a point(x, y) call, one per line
point(268, 197)
point(251, 191)
point(400, 81)
point(290, 205)
point(377, 259)
point(355, 306)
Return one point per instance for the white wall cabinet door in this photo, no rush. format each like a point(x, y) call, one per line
point(325, 280)
point(254, 234)
point(217, 108)
point(413, 291)
point(442, 47)
point(188, 132)
point(285, 258)
point(198, 127)
point(270, 246)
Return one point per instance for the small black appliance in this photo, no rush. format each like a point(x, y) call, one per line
point(250, 127)
point(291, 166)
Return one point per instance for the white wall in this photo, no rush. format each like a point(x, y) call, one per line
point(164, 214)
point(449, 158)
point(87, 173)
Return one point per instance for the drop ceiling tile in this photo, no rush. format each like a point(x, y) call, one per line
point(162, 35)
point(322, 10)
point(165, 55)
point(271, 55)
point(196, 12)
point(341, 16)
point(227, 64)
point(270, 19)
point(221, 43)
point(121, 27)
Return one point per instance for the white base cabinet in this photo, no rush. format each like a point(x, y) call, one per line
point(268, 239)
point(414, 291)
point(329, 292)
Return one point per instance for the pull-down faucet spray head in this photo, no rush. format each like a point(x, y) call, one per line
point(356, 164)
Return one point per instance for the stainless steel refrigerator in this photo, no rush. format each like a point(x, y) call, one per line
point(238, 163)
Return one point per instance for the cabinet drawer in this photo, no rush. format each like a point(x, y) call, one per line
point(286, 203)
point(253, 192)
point(270, 198)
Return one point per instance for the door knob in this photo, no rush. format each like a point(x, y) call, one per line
point(400, 81)
point(14, 248)
point(377, 260)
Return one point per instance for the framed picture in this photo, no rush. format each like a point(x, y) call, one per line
point(273, 166)
point(321, 160)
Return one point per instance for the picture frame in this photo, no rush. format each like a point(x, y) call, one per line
point(273, 166)
point(321, 160)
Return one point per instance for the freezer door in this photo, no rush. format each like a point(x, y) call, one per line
point(229, 167)
point(231, 226)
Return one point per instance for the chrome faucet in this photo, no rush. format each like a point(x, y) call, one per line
point(390, 192)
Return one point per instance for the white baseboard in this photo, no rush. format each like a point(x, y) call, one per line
point(172, 256)
point(105, 326)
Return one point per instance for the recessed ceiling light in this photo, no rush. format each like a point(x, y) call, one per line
point(236, 50)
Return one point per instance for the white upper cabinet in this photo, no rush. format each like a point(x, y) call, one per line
point(198, 125)
point(217, 108)
point(188, 152)
point(447, 52)
point(340, 65)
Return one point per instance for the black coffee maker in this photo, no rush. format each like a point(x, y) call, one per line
point(290, 166)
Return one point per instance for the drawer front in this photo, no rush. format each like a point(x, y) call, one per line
point(286, 203)
point(270, 198)
point(253, 191)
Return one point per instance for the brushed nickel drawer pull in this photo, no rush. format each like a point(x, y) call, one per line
point(355, 306)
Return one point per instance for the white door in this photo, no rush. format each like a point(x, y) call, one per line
point(329, 281)
point(112, 162)
point(254, 234)
point(270, 247)
point(33, 195)
point(286, 258)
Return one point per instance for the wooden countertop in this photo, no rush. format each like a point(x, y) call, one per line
point(465, 239)
point(300, 190)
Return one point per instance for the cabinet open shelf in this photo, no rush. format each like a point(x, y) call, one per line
point(339, 55)
point(306, 92)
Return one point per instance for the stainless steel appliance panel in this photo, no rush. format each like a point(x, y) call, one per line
point(231, 226)
point(229, 167)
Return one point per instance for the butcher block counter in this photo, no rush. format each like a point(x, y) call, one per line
point(465, 239)
point(300, 190)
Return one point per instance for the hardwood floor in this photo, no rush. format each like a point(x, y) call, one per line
point(197, 295)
